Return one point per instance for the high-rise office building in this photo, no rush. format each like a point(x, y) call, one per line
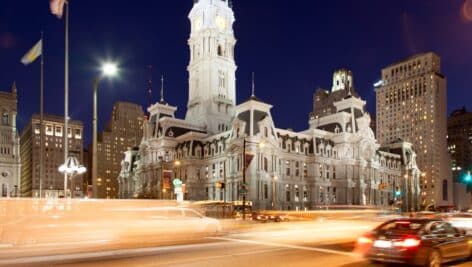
point(459, 130)
point(412, 105)
point(124, 130)
point(53, 156)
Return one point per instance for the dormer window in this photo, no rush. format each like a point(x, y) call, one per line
point(5, 119)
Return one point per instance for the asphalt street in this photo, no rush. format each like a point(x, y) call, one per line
point(307, 244)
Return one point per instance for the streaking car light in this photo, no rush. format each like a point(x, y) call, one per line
point(407, 243)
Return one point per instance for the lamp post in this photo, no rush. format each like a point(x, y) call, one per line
point(245, 142)
point(406, 192)
point(274, 178)
point(71, 168)
point(108, 70)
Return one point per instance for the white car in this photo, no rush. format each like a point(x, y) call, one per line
point(461, 221)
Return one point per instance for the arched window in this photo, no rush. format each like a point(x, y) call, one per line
point(5, 118)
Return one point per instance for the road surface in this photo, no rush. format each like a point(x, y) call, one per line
point(322, 244)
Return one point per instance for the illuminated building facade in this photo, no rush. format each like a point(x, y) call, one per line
point(336, 161)
point(123, 131)
point(53, 155)
point(412, 105)
point(10, 164)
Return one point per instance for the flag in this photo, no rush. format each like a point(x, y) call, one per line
point(33, 54)
point(57, 7)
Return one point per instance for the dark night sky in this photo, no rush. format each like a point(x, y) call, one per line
point(293, 46)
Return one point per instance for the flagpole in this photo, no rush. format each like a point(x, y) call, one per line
point(41, 122)
point(66, 97)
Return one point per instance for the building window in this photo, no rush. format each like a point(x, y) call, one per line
point(220, 51)
point(5, 119)
point(266, 191)
point(4, 190)
point(49, 130)
point(266, 164)
point(287, 193)
point(78, 134)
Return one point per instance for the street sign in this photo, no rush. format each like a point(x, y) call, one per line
point(177, 182)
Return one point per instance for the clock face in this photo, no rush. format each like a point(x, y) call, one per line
point(198, 24)
point(220, 22)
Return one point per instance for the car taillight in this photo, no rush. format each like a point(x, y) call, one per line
point(407, 243)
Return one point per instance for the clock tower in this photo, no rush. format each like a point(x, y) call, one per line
point(212, 81)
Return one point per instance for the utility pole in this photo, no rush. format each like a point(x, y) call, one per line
point(244, 179)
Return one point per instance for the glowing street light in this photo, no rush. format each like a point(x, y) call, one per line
point(109, 69)
point(71, 168)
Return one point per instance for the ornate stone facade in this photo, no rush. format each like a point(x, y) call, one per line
point(10, 164)
point(336, 161)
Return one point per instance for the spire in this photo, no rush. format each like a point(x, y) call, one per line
point(162, 90)
point(13, 88)
point(149, 85)
point(348, 88)
point(253, 86)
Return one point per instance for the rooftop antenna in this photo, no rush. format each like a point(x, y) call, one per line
point(162, 90)
point(253, 87)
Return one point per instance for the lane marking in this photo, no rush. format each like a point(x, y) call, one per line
point(272, 244)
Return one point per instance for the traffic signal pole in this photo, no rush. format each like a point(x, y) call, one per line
point(244, 178)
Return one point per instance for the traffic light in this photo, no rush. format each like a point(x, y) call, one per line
point(398, 192)
point(220, 185)
point(468, 177)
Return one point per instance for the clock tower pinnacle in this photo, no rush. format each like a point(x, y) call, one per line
point(212, 69)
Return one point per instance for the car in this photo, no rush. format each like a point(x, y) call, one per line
point(415, 241)
point(461, 221)
point(108, 222)
point(259, 217)
point(277, 218)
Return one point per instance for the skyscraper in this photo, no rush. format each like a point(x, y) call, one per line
point(412, 105)
point(459, 140)
point(9, 145)
point(53, 180)
point(124, 130)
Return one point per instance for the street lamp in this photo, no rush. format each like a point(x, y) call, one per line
point(109, 69)
point(245, 142)
point(71, 168)
point(274, 178)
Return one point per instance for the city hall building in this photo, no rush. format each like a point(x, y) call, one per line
point(336, 161)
